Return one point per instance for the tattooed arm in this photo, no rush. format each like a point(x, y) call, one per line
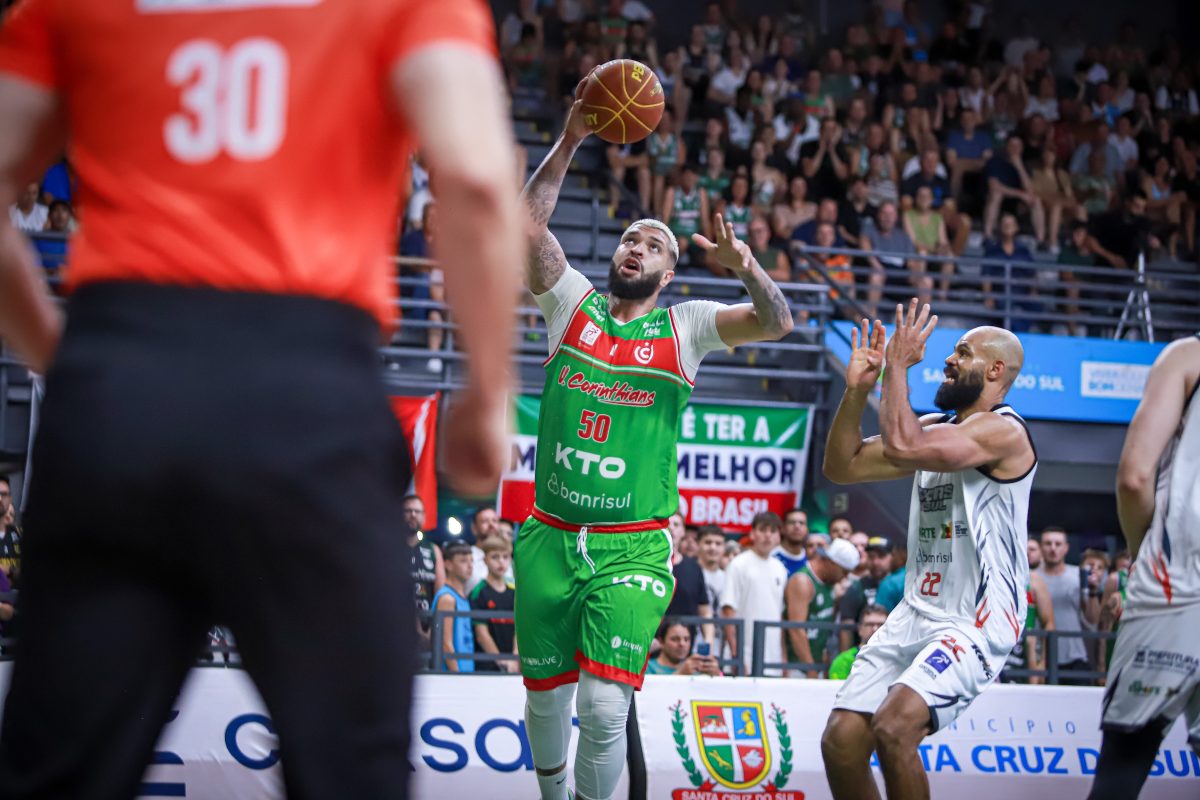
point(546, 259)
point(769, 316)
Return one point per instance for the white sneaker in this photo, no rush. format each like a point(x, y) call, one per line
point(433, 365)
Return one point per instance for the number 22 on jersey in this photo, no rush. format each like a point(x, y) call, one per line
point(233, 100)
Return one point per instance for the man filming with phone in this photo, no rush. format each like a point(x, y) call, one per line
point(673, 659)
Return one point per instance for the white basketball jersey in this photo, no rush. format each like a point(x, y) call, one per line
point(966, 547)
point(1166, 575)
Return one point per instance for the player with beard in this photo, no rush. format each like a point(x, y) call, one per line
point(964, 594)
point(593, 564)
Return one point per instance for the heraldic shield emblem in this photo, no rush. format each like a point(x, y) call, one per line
point(733, 742)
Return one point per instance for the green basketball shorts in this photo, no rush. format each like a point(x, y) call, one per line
point(588, 600)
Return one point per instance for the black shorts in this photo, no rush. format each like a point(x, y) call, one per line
point(208, 457)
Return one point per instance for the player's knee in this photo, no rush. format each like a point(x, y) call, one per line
point(602, 707)
point(845, 739)
point(894, 732)
point(549, 704)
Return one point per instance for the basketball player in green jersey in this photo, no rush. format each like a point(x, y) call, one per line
point(593, 563)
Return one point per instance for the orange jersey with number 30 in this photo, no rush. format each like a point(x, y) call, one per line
point(239, 144)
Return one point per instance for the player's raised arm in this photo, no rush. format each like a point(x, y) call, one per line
point(849, 458)
point(28, 318)
point(452, 96)
point(546, 259)
point(1171, 381)
point(769, 316)
point(981, 439)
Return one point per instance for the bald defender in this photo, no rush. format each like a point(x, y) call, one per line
point(964, 593)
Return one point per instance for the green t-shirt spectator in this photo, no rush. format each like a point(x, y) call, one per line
point(891, 590)
point(1071, 255)
point(655, 668)
point(715, 186)
point(839, 670)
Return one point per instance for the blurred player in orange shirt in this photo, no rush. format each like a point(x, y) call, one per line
point(215, 444)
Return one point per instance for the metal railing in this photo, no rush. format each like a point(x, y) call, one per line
point(223, 652)
point(437, 659)
point(808, 302)
point(762, 630)
point(1052, 673)
point(1022, 293)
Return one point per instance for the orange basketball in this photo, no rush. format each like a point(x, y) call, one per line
point(622, 101)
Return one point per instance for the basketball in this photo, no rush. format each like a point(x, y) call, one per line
point(622, 101)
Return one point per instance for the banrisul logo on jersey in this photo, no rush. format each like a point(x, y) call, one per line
point(733, 461)
point(736, 758)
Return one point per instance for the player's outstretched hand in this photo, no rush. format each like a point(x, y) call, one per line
point(731, 252)
point(866, 355)
point(476, 440)
point(907, 346)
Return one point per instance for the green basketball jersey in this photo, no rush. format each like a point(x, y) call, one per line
point(609, 419)
point(739, 217)
point(715, 186)
point(685, 213)
point(820, 609)
point(665, 153)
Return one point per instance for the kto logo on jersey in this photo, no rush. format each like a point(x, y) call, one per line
point(644, 581)
point(609, 467)
point(735, 751)
point(644, 353)
point(589, 334)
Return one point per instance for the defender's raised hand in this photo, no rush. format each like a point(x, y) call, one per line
point(907, 346)
point(866, 355)
point(731, 252)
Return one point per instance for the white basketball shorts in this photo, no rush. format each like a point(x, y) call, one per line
point(1155, 673)
point(947, 662)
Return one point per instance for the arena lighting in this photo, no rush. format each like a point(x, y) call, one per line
point(454, 527)
point(420, 536)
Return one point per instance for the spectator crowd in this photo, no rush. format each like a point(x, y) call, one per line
point(928, 143)
point(825, 592)
point(885, 154)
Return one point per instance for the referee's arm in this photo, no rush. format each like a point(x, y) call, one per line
point(29, 320)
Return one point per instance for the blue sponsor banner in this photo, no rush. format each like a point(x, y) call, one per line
point(1064, 378)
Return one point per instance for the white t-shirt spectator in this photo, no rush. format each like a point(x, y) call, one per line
point(754, 591)
point(727, 81)
point(913, 166)
point(715, 581)
point(1125, 100)
point(1047, 108)
point(1097, 74)
point(741, 129)
point(636, 11)
point(1128, 148)
point(571, 11)
point(1014, 51)
point(1162, 101)
point(783, 132)
point(975, 99)
point(32, 222)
